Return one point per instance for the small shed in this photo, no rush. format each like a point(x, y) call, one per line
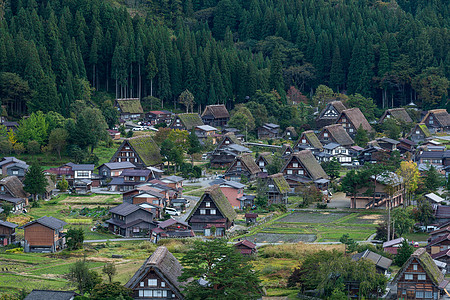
point(246, 247)
point(434, 199)
point(393, 245)
point(250, 218)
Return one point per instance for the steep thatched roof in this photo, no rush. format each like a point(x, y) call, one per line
point(339, 134)
point(292, 131)
point(356, 117)
point(147, 149)
point(312, 139)
point(219, 199)
point(423, 128)
point(397, 113)
point(267, 156)
point(132, 106)
point(217, 111)
point(441, 115)
point(248, 162)
point(337, 105)
point(14, 186)
point(190, 120)
point(165, 265)
point(309, 162)
point(281, 183)
point(427, 264)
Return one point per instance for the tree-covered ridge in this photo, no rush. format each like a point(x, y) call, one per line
point(223, 51)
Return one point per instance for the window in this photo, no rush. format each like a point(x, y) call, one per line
point(152, 282)
point(83, 173)
point(136, 229)
point(155, 202)
point(105, 173)
point(301, 172)
point(142, 178)
point(295, 165)
point(325, 134)
point(415, 267)
point(344, 120)
point(238, 163)
point(428, 295)
point(203, 211)
point(350, 130)
point(148, 293)
point(417, 132)
point(261, 164)
point(15, 172)
point(141, 284)
point(212, 211)
point(303, 141)
point(163, 284)
point(419, 294)
point(2, 188)
point(289, 172)
point(208, 204)
point(421, 277)
point(141, 293)
point(227, 142)
point(408, 276)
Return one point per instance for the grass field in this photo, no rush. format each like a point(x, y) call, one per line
point(325, 226)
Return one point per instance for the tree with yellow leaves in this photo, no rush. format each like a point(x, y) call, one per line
point(410, 173)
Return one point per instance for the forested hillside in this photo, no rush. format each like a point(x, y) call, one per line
point(222, 51)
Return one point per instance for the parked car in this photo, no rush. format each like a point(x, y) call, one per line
point(171, 211)
point(138, 128)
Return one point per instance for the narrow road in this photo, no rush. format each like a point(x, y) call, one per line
point(116, 240)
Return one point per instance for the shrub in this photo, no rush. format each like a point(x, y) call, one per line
point(321, 205)
point(6, 147)
point(33, 147)
point(19, 148)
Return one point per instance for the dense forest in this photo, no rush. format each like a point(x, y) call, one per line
point(53, 52)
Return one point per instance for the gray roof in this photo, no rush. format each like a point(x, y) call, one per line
point(21, 165)
point(50, 295)
point(434, 197)
point(393, 242)
point(173, 178)
point(380, 261)
point(331, 146)
point(10, 159)
point(81, 167)
point(388, 140)
point(8, 224)
point(124, 209)
point(144, 172)
point(233, 184)
point(206, 128)
point(49, 222)
point(119, 165)
point(239, 148)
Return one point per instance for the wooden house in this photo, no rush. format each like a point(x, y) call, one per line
point(405, 146)
point(215, 115)
point(419, 133)
point(246, 247)
point(172, 228)
point(129, 179)
point(130, 220)
point(302, 168)
point(286, 151)
point(382, 263)
point(308, 140)
point(419, 278)
point(330, 114)
point(7, 233)
point(141, 151)
point(399, 114)
point(212, 210)
point(437, 120)
point(371, 154)
point(152, 197)
point(159, 116)
point(203, 132)
point(157, 277)
point(263, 160)
point(174, 182)
point(44, 235)
point(443, 257)
point(444, 230)
point(51, 295)
point(114, 134)
point(186, 121)
point(290, 134)
point(351, 119)
point(243, 165)
point(269, 131)
point(368, 197)
point(233, 191)
point(438, 244)
point(336, 134)
point(12, 192)
point(227, 151)
point(11, 166)
point(130, 109)
point(277, 189)
point(388, 144)
point(109, 170)
point(250, 218)
point(393, 245)
point(338, 152)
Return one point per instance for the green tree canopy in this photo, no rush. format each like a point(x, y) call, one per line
point(35, 181)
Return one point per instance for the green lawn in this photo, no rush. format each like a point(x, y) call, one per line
point(13, 282)
point(104, 154)
point(188, 188)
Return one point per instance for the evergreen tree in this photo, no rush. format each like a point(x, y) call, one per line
point(361, 138)
point(35, 181)
point(276, 75)
point(337, 74)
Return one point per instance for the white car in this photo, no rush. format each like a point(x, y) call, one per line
point(171, 211)
point(138, 128)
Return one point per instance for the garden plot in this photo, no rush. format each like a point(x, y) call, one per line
point(262, 237)
point(312, 217)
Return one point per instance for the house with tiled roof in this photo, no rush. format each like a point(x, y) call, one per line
point(263, 160)
point(308, 140)
point(44, 235)
point(396, 113)
point(337, 134)
point(141, 151)
point(107, 171)
point(286, 151)
point(51, 295)
point(186, 121)
point(233, 190)
point(277, 189)
point(227, 150)
point(351, 119)
point(130, 108)
point(172, 228)
point(212, 211)
point(11, 166)
point(130, 220)
point(419, 133)
point(382, 263)
point(129, 179)
point(330, 114)
point(159, 116)
point(157, 277)
point(338, 152)
point(290, 133)
point(12, 192)
point(437, 120)
point(268, 131)
point(243, 165)
point(245, 247)
point(216, 115)
point(7, 233)
point(303, 168)
point(420, 278)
